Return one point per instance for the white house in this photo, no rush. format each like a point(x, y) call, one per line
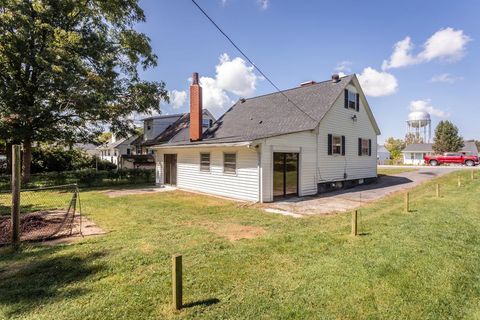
point(115, 148)
point(134, 151)
point(414, 153)
point(299, 141)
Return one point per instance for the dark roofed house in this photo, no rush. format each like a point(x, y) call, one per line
point(293, 142)
point(415, 152)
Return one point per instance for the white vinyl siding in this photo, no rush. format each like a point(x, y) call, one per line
point(303, 143)
point(243, 185)
point(338, 121)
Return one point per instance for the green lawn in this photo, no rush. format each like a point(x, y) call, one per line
point(390, 171)
point(419, 265)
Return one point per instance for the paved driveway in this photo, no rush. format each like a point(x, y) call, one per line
point(344, 200)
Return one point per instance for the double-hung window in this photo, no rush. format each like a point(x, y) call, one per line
point(205, 162)
point(352, 100)
point(230, 163)
point(336, 145)
point(364, 147)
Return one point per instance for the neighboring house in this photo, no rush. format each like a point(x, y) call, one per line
point(88, 148)
point(115, 148)
point(134, 152)
point(383, 155)
point(295, 142)
point(414, 153)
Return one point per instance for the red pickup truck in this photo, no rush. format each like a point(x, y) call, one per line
point(458, 158)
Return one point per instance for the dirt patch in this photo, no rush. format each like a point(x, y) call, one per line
point(48, 226)
point(129, 192)
point(235, 232)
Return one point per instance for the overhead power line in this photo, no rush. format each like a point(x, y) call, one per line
point(248, 59)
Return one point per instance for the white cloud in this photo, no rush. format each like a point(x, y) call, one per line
point(177, 98)
point(213, 96)
point(401, 55)
point(263, 4)
point(235, 76)
point(425, 105)
point(377, 83)
point(341, 74)
point(344, 66)
point(446, 44)
point(445, 77)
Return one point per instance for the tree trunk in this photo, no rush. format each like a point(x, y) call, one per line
point(27, 160)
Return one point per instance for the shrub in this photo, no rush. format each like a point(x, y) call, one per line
point(87, 178)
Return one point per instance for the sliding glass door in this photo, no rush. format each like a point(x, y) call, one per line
point(285, 174)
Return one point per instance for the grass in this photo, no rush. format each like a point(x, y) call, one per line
point(420, 265)
point(390, 171)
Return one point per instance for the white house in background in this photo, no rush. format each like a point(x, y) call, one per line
point(134, 151)
point(383, 155)
point(299, 141)
point(414, 153)
point(115, 148)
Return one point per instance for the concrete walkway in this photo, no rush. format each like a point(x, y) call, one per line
point(345, 200)
point(128, 192)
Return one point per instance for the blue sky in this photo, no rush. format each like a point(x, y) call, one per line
point(430, 48)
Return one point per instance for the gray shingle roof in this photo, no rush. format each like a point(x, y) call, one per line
point(273, 114)
point(177, 131)
point(419, 147)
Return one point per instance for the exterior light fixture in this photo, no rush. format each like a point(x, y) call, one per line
point(354, 118)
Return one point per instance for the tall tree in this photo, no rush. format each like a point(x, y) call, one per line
point(395, 147)
point(447, 138)
point(70, 67)
point(411, 138)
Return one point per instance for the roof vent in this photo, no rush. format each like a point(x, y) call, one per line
point(307, 83)
point(242, 100)
point(335, 78)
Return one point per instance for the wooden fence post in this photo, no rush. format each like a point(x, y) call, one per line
point(407, 202)
point(16, 180)
point(177, 288)
point(438, 190)
point(354, 222)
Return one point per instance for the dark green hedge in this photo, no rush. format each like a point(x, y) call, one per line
point(87, 178)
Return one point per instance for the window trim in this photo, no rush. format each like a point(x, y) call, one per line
point(209, 162)
point(236, 163)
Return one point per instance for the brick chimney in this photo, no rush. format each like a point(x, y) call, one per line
point(195, 109)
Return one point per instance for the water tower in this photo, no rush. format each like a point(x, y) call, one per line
point(420, 125)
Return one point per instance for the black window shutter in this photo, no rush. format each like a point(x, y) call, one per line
point(369, 147)
point(357, 105)
point(343, 145)
point(330, 138)
point(359, 146)
point(346, 99)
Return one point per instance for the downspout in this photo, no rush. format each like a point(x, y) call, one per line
point(259, 168)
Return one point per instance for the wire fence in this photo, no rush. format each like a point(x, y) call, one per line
point(45, 213)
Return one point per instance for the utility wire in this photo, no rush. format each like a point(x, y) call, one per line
point(248, 59)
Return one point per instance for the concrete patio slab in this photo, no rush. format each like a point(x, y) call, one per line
point(349, 199)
